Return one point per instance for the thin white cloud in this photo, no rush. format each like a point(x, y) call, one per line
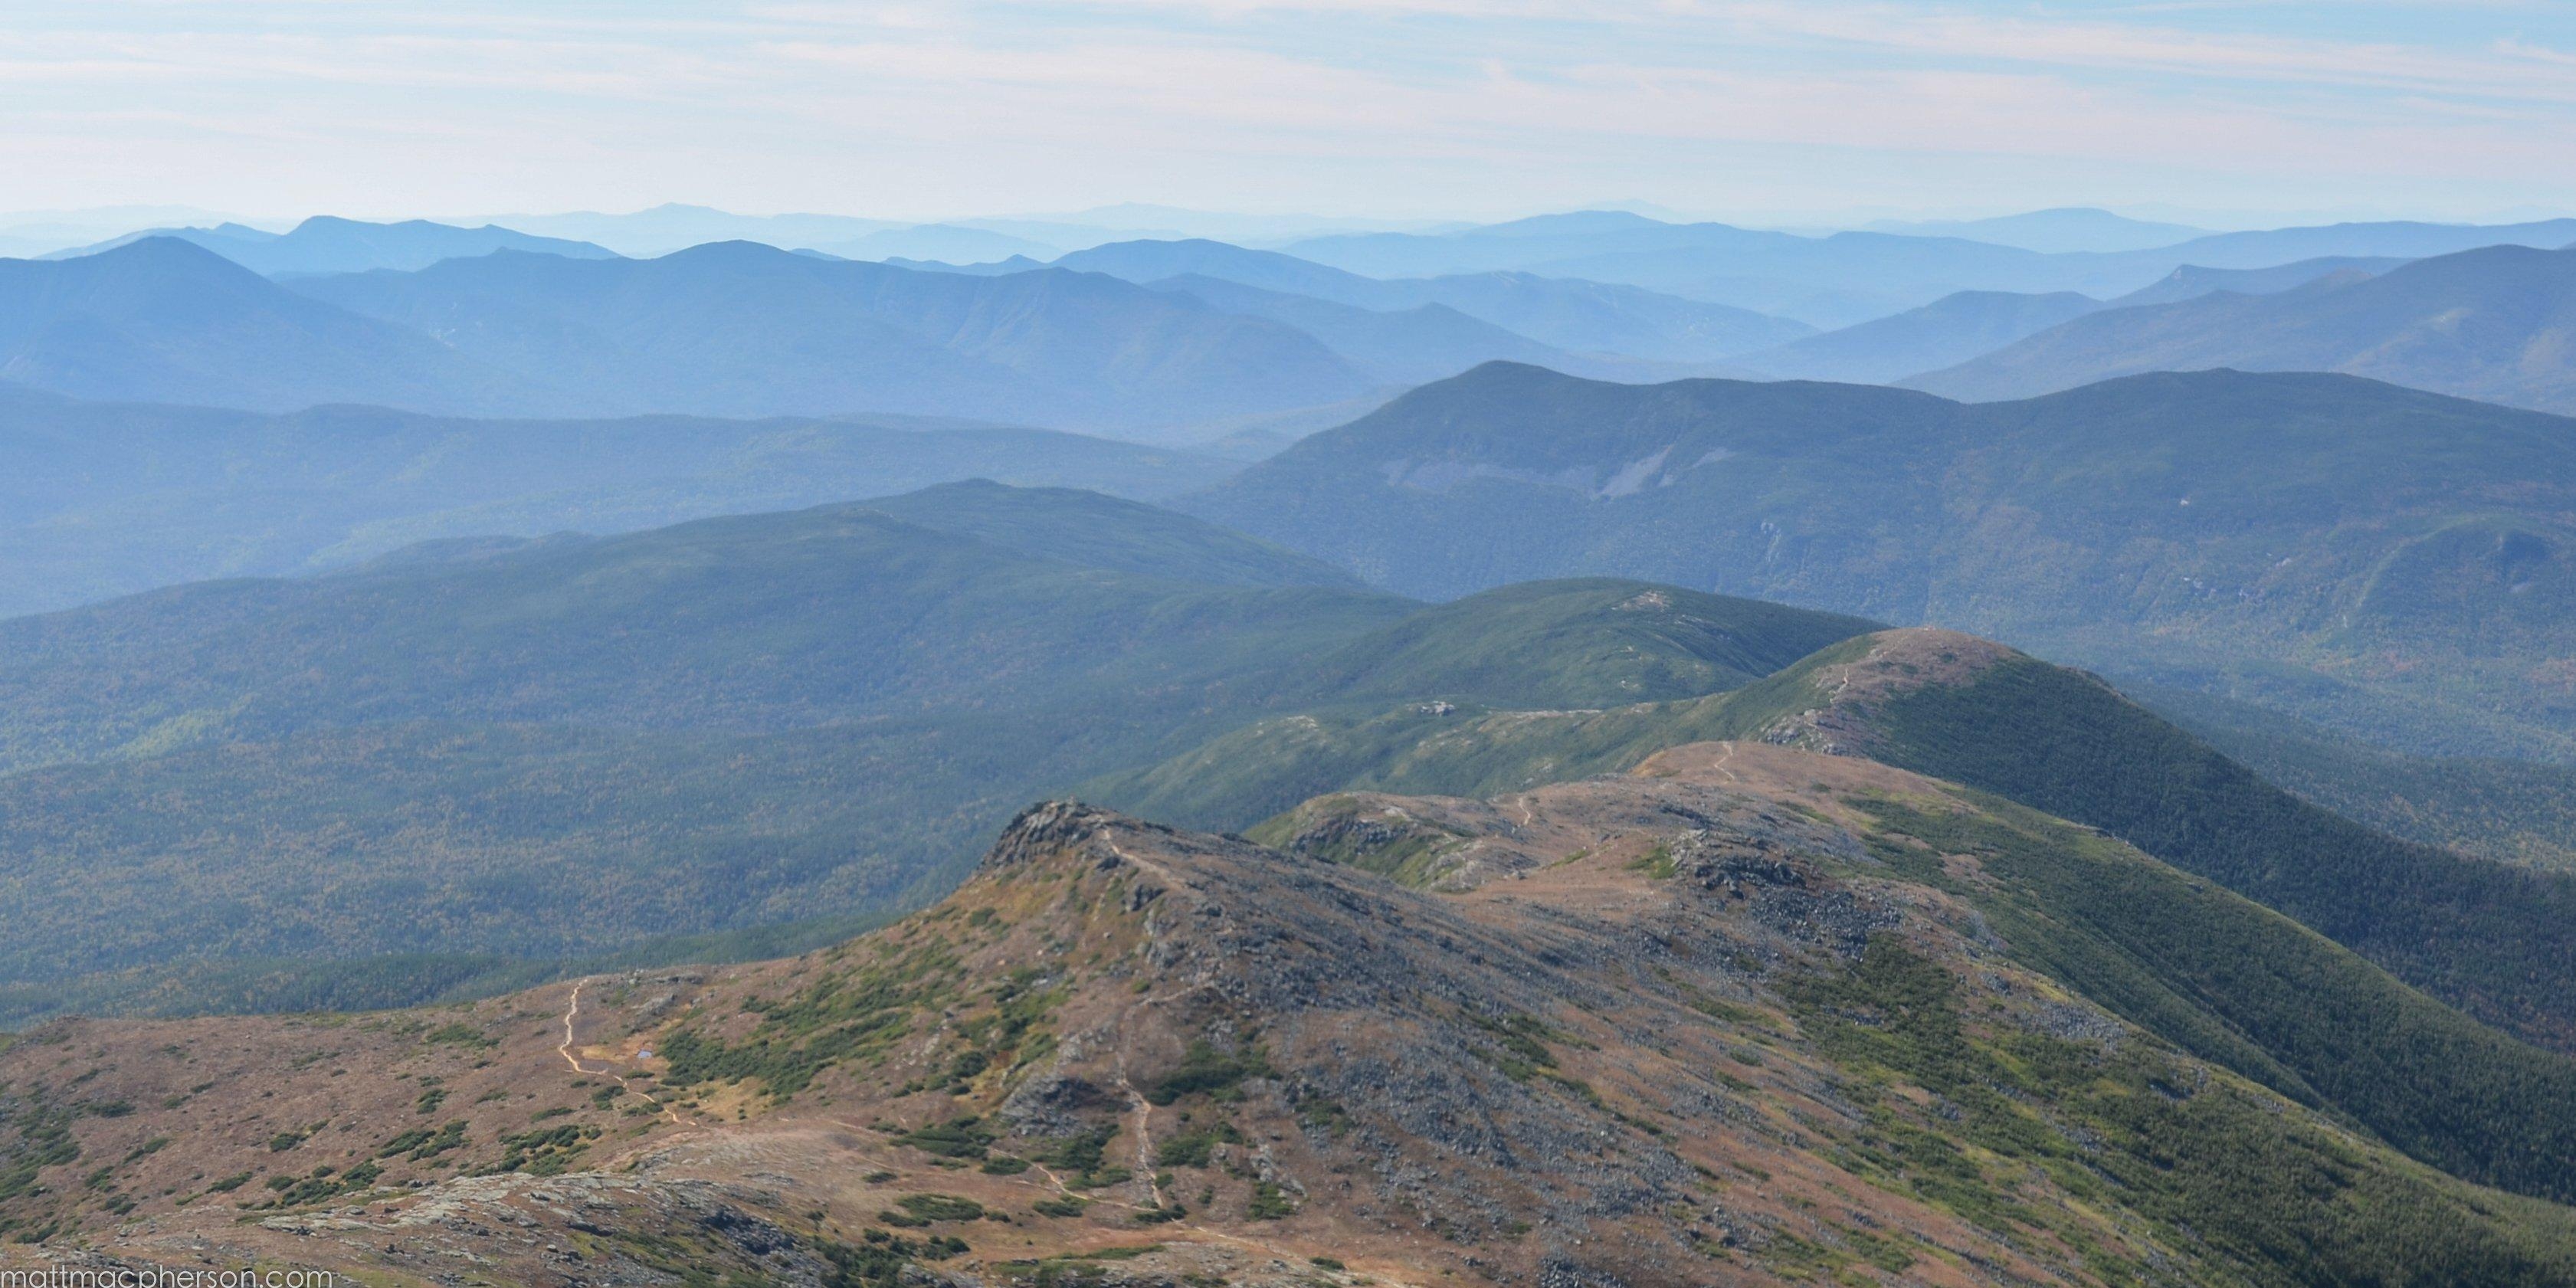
point(1315, 101)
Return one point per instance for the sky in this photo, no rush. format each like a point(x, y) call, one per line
point(1780, 112)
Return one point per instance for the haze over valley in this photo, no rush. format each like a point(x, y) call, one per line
point(1301, 646)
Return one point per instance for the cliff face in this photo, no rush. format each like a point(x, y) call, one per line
point(1749, 1015)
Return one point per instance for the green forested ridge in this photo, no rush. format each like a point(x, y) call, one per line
point(1097, 531)
point(1577, 643)
point(561, 750)
point(537, 842)
point(1247, 775)
point(553, 750)
point(2280, 1200)
point(2496, 941)
point(758, 622)
point(2245, 987)
point(2350, 536)
point(2514, 811)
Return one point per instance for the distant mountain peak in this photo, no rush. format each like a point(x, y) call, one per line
point(1571, 222)
point(170, 252)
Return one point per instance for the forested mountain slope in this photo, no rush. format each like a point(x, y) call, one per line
point(2392, 560)
point(524, 753)
point(2494, 806)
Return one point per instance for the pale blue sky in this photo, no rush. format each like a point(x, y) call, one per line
point(1778, 111)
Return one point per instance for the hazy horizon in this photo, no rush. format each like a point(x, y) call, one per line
point(2225, 114)
point(80, 224)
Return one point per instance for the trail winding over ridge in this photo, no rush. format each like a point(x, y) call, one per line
point(572, 1011)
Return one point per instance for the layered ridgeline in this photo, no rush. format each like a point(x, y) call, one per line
point(1844, 278)
point(328, 244)
point(551, 749)
point(1948, 330)
point(1751, 1015)
point(1968, 325)
point(1186, 338)
point(2491, 324)
point(1569, 315)
point(2192, 281)
point(2063, 228)
point(105, 499)
point(2490, 938)
point(1411, 345)
point(161, 320)
point(724, 330)
point(743, 329)
point(2381, 558)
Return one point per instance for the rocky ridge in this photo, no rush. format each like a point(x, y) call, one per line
point(1716, 1021)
